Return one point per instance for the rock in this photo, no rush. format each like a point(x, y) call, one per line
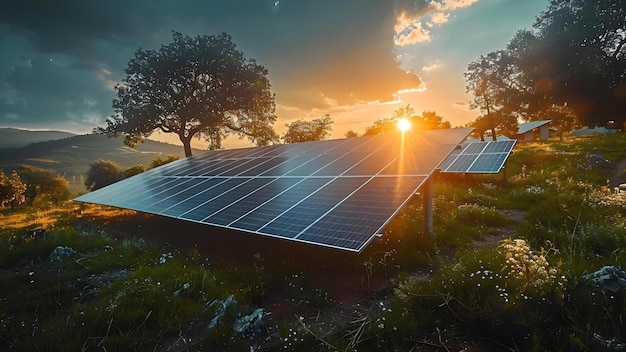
point(250, 323)
point(608, 279)
point(596, 160)
point(60, 253)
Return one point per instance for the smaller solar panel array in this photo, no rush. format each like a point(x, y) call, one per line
point(478, 157)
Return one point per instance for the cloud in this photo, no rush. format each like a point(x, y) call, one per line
point(41, 91)
point(461, 105)
point(456, 4)
point(414, 16)
point(412, 34)
point(322, 54)
point(430, 67)
point(438, 18)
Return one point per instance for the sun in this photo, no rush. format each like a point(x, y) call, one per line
point(404, 124)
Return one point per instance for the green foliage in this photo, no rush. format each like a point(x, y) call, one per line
point(116, 295)
point(41, 182)
point(429, 120)
point(200, 86)
point(492, 291)
point(103, 173)
point(157, 161)
point(569, 66)
point(12, 189)
point(134, 170)
point(308, 131)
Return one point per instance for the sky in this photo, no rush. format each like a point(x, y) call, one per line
point(356, 60)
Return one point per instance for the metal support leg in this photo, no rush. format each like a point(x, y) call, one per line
point(427, 193)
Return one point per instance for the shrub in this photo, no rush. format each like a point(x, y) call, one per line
point(504, 293)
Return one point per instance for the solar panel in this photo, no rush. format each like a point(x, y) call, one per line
point(478, 157)
point(337, 193)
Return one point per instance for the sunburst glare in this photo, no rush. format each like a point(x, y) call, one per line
point(404, 124)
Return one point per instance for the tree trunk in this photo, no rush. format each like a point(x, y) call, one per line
point(186, 145)
point(493, 134)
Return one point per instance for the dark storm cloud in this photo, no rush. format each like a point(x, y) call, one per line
point(319, 53)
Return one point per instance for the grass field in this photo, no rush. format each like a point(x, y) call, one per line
point(511, 268)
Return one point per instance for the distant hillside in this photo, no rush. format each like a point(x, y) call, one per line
point(71, 157)
point(16, 138)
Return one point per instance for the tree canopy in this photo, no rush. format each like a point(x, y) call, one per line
point(12, 189)
point(201, 87)
point(40, 182)
point(307, 131)
point(571, 64)
point(103, 173)
point(428, 121)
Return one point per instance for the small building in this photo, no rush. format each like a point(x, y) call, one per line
point(586, 131)
point(534, 130)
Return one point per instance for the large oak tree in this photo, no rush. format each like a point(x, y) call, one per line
point(201, 87)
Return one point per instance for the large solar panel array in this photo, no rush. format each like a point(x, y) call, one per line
point(337, 193)
point(478, 157)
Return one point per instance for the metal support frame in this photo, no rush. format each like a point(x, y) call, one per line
point(427, 194)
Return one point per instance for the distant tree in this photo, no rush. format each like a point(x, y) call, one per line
point(307, 131)
point(40, 182)
point(103, 173)
point(381, 126)
point(428, 121)
point(351, 134)
point(157, 161)
point(134, 170)
point(486, 83)
point(200, 86)
point(12, 189)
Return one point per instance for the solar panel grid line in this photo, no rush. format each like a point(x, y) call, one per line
point(161, 185)
point(348, 196)
point(293, 206)
point(144, 189)
point(272, 208)
point(267, 201)
point(195, 182)
point(251, 182)
point(216, 196)
point(331, 179)
point(240, 208)
point(351, 224)
point(198, 194)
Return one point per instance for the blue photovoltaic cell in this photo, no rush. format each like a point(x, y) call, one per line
point(226, 198)
point(269, 210)
point(336, 193)
point(479, 157)
point(341, 164)
point(313, 165)
point(264, 167)
point(351, 222)
point(287, 166)
point(302, 214)
point(499, 147)
point(473, 148)
point(488, 163)
point(246, 204)
point(201, 196)
point(165, 202)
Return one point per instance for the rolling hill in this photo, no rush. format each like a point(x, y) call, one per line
point(16, 138)
point(71, 157)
